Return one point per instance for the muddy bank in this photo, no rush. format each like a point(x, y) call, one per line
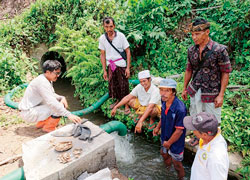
point(11, 8)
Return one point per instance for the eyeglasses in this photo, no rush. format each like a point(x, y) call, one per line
point(57, 73)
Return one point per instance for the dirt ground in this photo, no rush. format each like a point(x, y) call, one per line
point(10, 8)
point(12, 136)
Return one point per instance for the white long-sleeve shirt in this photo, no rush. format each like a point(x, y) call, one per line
point(41, 92)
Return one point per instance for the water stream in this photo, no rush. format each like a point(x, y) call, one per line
point(139, 159)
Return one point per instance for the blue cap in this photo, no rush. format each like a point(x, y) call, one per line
point(168, 83)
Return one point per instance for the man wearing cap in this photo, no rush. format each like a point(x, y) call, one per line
point(115, 52)
point(173, 132)
point(209, 66)
point(41, 104)
point(211, 160)
point(145, 99)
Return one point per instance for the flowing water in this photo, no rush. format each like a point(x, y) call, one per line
point(139, 159)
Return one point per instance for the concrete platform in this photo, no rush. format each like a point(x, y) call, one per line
point(40, 158)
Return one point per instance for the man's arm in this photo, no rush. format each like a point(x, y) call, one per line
point(187, 78)
point(224, 82)
point(175, 136)
point(147, 112)
point(103, 61)
point(157, 129)
point(62, 99)
point(49, 98)
point(127, 72)
point(124, 100)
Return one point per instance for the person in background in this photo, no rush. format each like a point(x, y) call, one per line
point(145, 99)
point(115, 52)
point(41, 104)
point(209, 66)
point(211, 159)
point(171, 125)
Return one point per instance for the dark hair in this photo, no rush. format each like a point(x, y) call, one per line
point(174, 91)
point(51, 65)
point(107, 20)
point(200, 21)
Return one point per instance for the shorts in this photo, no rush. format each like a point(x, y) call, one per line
point(141, 109)
point(196, 107)
point(176, 157)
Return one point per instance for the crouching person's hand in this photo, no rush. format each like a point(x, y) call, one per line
point(113, 112)
point(74, 118)
point(156, 131)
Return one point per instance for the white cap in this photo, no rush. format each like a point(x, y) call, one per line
point(144, 74)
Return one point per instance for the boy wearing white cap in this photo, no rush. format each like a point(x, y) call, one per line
point(145, 99)
point(211, 159)
point(173, 132)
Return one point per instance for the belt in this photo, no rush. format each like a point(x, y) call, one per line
point(112, 64)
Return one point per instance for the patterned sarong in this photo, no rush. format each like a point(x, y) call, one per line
point(118, 83)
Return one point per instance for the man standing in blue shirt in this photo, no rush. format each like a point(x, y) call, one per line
point(173, 132)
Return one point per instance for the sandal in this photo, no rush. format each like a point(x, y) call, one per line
point(127, 111)
point(193, 142)
point(135, 120)
point(113, 105)
point(152, 126)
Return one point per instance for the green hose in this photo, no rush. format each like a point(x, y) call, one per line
point(7, 98)
point(93, 107)
point(96, 105)
point(115, 126)
point(17, 174)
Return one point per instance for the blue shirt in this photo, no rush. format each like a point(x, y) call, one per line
point(172, 120)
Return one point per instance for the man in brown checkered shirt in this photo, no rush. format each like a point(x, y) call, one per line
point(209, 81)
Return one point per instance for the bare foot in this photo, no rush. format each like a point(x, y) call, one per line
point(127, 109)
point(152, 124)
point(113, 105)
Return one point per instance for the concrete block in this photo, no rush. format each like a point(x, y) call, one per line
point(40, 158)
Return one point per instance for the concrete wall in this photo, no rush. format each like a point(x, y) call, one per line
point(40, 158)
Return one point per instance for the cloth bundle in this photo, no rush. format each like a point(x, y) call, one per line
point(200, 27)
point(82, 131)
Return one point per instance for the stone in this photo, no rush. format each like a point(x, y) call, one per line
point(83, 176)
point(234, 161)
point(40, 158)
point(104, 174)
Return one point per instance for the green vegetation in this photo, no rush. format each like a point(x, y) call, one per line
point(155, 30)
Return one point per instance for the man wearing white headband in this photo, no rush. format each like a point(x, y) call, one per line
point(145, 99)
point(207, 72)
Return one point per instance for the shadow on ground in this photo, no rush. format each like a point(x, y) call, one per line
point(29, 131)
